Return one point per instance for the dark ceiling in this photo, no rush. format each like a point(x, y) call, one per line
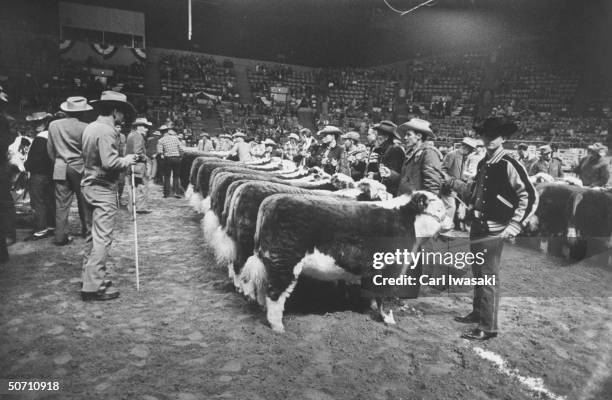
point(362, 32)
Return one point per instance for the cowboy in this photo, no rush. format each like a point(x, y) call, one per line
point(7, 204)
point(151, 151)
point(455, 161)
point(471, 164)
point(241, 151)
point(40, 167)
point(333, 158)
point(356, 154)
point(170, 149)
point(64, 147)
point(593, 169)
point(387, 154)
point(271, 149)
point(99, 185)
point(225, 142)
point(136, 144)
point(547, 164)
point(422, 168)
point(205, 144)
point(501, 199)
point(291, 149)
point(525, 157)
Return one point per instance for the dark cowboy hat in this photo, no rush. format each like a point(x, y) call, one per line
point(494, 127)
point(522, 146)
point(115, 99)
point(387, 127)
point(329, 129)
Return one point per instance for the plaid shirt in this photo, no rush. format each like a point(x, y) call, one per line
point(291, 150)
point(170, 146)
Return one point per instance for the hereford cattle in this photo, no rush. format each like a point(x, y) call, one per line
point(590, 221)
point(555, 207)
point(328, 239)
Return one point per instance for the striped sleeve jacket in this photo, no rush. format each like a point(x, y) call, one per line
point(503, 192)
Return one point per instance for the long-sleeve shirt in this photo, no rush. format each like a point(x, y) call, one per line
point(170, 146)
point(136, 144)
point(101, 154)
point(593, 171)
point(64, 146)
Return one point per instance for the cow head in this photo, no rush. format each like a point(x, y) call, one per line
point(372, 190)
point(541, 177)
point(341, 181)
point(428, 214)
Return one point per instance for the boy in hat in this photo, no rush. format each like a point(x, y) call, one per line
point(103, 166)
point(422, 168)
point(387, 154)
point(136, 144)
point(547, 164)
point(205, 144)
point(170, 149)
point(455, 161)
point(241, 150)
point(593, 169)
point(333, 157)
point(64, 147)
point(501, 199)
point(525, 157)
point(40, 166)
point(356, 154)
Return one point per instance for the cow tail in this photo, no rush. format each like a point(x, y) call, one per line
point(254, 279)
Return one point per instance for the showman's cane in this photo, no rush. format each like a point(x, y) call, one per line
point(135, 227)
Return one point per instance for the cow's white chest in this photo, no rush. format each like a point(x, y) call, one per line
point(323, 267)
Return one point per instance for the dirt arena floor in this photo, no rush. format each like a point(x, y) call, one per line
point(187, 335)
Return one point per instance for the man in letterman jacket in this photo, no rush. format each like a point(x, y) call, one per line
point(502, 199)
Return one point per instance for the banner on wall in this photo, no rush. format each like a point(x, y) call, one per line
point(140, 54)
point(104, 50)
point(65, 45)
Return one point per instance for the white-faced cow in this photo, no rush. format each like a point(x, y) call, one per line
point(329, 239)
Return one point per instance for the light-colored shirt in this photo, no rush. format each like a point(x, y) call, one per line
point(65, 146)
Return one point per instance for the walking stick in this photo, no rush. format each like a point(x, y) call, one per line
point(135, 227)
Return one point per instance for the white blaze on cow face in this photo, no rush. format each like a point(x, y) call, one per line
point(253, 279)
point(434, 219)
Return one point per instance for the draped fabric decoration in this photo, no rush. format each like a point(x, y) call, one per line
point(105, 50)
point(66, 45)
point(140, 54)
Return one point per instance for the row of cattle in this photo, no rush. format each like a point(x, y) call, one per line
point(578, 217)
point(271, 225)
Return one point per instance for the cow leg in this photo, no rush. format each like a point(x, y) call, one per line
point(544, 245)
point(189, 191)
point(377, 306)
point(275, 308)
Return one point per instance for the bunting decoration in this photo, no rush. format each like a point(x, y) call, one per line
point(65, 45)
point(140, 54)
point(105, 50)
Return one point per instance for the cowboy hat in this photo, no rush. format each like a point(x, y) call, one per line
point(522, 146)
point(163, 128)
point(38, 116)
point(417, 125)
point(598, 148)
point(269, 142)
point(494, 127)
point(238, 134)
point(352, 135)
point(141, 121)
point(294, 136)
point(545, 149)
point(330, 130)
point(468, 141)
point(224, 136)
point(205, 134)
point(75, 104)
point(387, 127)
point(115, 99)
point(305, 131)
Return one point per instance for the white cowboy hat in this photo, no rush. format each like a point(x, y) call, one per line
point(141, 121)
point(239, 134)
point(418, 125)
point(38, 116)
point(75, 104)
point(115, 99)
point(468, 141)
point(294, 136)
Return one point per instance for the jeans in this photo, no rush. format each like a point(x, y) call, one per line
point(101, 208)
point(485, 305)
point(42, 200)
point(172, 166)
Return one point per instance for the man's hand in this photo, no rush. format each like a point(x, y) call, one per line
point(131, 159)
point(384, 172)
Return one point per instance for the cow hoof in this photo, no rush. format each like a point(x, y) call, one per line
point(278, 328)
point(544, 246)
point(388, 319)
